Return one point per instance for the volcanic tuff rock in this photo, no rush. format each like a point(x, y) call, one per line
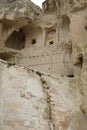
point(15, 9)
point(50, 92)
point(34, 101)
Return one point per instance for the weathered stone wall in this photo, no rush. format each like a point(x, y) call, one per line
point(33, 101)
point(23, 102)
point(48, 59)
point(55, 42)
point(45, 32)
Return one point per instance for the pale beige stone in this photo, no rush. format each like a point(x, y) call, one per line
point(29, 101)
point(51, 41)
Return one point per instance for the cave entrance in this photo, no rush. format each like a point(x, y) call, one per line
point(65, 28)
point(16, 40)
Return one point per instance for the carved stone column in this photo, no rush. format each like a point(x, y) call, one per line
point(57, 34)
point(44, 37)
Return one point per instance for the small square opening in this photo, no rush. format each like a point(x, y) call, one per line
point(33, 41)
point(51, 42)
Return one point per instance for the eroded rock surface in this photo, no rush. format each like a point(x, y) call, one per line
point(33, 101)
point(51, 41)
point(23, 101)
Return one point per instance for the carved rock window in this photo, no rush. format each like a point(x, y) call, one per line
point(33, 41)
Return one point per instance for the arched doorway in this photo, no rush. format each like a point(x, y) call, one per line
point(16, 40)
point(65, 28)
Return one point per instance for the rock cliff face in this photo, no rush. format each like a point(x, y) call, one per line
point(15, 9)
point(43, 80)
point(34, 101)
point(55, 33)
